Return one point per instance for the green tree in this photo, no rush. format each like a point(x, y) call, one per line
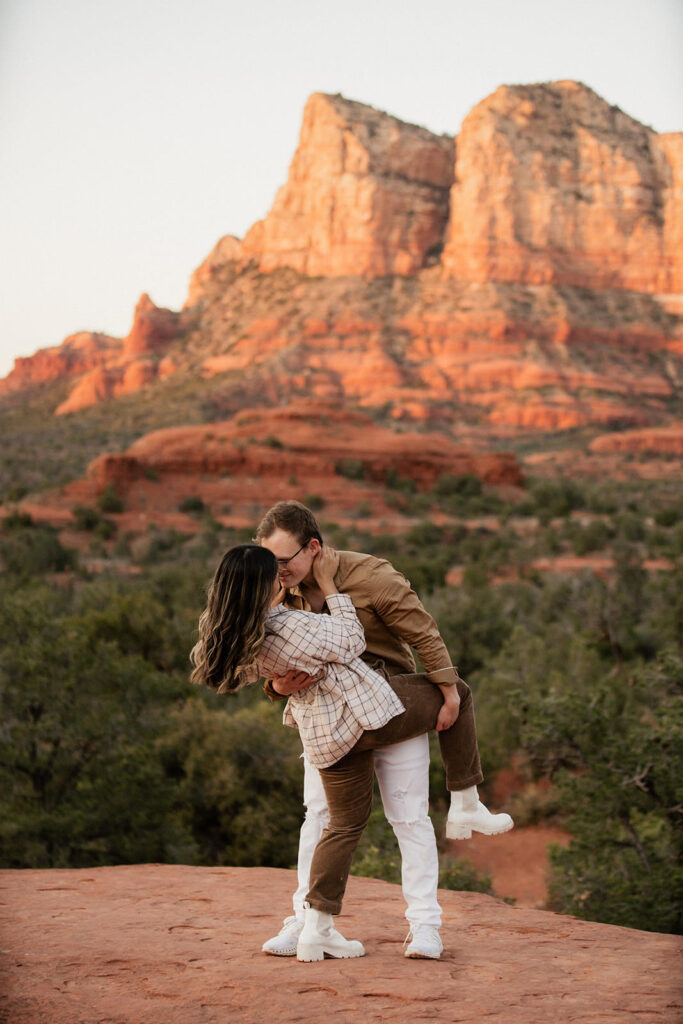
point(238, 778)
point(81, 783)
point(617, 755)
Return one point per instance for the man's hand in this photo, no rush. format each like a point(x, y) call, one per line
point(450, 710)
point(292, 681)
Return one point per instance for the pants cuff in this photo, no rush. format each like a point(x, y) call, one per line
point(324, 906)
point(472, 780)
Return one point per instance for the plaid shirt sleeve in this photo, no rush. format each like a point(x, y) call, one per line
point(348, 697)
point(337, 637)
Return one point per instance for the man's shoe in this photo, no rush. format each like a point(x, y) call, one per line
point(425, 942)
point(319, 939)
point(284, 943)
point(462, 822)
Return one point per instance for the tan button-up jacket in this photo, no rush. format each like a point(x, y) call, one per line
point(392, 616)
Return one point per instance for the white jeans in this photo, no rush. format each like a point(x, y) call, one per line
point(403, 775)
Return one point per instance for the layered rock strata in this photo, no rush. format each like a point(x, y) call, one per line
point(312, 442)
point(555, 304)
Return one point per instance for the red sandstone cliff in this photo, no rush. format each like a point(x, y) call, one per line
point(553, 185)
point(105, 367)
point(554, 305)
point(367, 194)
point(77, 354)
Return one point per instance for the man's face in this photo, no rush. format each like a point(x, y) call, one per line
point(284, 545)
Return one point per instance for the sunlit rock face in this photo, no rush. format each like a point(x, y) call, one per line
point(366, 194)
point(554, 185)
point(77, 354)
point(522, 278)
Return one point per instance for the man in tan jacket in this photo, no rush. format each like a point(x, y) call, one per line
point(395, 623)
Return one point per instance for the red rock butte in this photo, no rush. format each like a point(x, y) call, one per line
point(523, 276)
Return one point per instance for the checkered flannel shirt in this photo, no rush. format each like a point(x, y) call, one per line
point(348, 696)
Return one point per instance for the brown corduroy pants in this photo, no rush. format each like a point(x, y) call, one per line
point(349, 783)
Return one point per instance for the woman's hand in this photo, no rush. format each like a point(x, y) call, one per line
point(292, 681)
point(278, 596)
point(324, 567)
point(450, 709)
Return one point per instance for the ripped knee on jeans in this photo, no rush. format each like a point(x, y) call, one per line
point(408, 822)
point(318, 814)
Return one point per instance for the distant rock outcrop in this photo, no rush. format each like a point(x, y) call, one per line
point(105, 367)
point(310, 441)
point(663, 440)
point(170, 944)
point(136, 360)
point(78, 354)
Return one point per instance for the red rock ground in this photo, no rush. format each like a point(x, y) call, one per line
point(160, 944)
point(517, 861)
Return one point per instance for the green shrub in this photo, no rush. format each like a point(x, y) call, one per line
point(192, 505)
point(314, 501)
point(425, 535)
point(630, 526)
point(593, 537)
point(33, 550)
point(667, 516)
point(15, 493)
point(85, 517)
point(352, 469)
point(400, 483)
point(105, 529)
point(624, 863)
point(109, 501)
point(468, 485)
point(555, 498)
point(462, 876)
point(16, 521)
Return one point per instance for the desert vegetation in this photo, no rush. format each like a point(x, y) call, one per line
point(109, 755)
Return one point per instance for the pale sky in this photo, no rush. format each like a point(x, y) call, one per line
point(136, 132)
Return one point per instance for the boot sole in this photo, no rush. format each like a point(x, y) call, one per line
point(312, 954)
point(465, 831)
point(273, 952)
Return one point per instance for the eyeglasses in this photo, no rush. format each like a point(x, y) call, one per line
point(282, 562)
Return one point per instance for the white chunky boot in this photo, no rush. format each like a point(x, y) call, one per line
point(284, 943)
point(425, 942)
point(319, 939)
point(467, 814)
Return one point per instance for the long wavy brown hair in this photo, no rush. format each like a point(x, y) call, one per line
point(232, 626)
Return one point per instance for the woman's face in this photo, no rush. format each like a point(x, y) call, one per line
point(278, 593)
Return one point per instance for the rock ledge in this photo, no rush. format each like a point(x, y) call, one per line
point(169, 944)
